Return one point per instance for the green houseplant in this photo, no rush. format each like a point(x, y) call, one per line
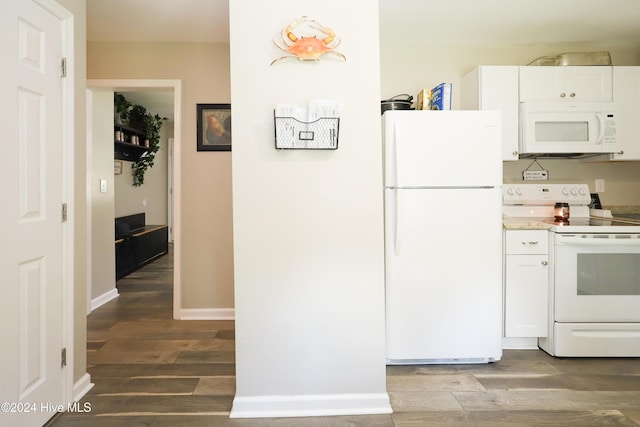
point(137, 116)
point(121, 107)
point(152, 123)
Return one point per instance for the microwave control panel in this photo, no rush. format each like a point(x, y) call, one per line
point(609, 135)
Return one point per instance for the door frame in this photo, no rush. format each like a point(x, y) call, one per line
point(155, 84)
point(68, 122)
point(170, 144)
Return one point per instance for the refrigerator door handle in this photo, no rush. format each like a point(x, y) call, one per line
point(397, 212)
point(395, 154)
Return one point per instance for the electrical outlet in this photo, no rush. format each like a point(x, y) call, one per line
point(599, 185)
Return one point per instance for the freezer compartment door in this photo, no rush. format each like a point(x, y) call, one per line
point(443, 274)
point(442, 148)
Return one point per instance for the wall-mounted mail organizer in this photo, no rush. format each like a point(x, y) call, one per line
point(320, 134)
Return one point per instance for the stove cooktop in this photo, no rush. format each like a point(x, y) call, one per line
point(594, 225)
point(536, 202)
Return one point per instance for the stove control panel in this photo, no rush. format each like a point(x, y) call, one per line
point(543, 194)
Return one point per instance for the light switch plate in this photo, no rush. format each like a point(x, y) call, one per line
point(103, 185)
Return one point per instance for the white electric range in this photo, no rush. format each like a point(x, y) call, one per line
point(594, 272)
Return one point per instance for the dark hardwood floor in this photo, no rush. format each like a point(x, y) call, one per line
point(150, 370)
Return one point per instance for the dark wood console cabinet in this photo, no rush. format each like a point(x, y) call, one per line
point(138, 244)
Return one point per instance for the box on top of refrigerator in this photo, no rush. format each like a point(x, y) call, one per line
point(438, 98)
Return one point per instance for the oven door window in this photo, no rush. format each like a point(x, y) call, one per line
point(608, 274)
point(596, 280)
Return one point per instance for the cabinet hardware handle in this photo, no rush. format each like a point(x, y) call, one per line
point(544, 263)
point(562, 95)
point(573, 95)
point(533, 243)
point(515, 153)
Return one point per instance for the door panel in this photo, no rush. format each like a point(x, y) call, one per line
point(31, 265)
point(443, 274)
point(442, 148)
point(31, 349)
point(30, 148)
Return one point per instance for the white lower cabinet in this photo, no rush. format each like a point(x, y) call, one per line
point(526, 301)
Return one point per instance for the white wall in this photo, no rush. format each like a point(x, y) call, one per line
point(103, 276)
point(308, 227)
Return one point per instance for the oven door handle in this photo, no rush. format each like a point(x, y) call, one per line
point(595, 241)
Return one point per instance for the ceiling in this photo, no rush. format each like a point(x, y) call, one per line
point(513, 22)
point(204, 21)
point(495, 22)
point(499, 23)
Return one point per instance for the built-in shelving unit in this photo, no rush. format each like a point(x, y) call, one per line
point(129, 143)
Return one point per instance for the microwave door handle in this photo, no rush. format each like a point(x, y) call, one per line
point(601, 126)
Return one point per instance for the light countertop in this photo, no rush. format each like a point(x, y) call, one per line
point(621, 210)
point(514, 223)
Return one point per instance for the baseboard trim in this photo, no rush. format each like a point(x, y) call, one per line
point(104, 298)
point(81, 387)
point(519, 343)
point(207, 314)
point(310, 405)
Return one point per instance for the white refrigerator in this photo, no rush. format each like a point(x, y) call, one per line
point(443, 236)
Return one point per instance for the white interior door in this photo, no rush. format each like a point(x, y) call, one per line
point(31, 266)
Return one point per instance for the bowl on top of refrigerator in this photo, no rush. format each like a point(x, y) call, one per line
point(397, 103)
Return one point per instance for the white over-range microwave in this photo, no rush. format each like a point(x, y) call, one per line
point(586, 127)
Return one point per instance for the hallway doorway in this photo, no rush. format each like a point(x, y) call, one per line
point(106, 88)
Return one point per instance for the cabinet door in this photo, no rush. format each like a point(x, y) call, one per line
point(589, 84)
point(541, 83)
point(151, 245)
point(570, 84)
point(499, 91)
point(526, 296)
point(626, 95)
point(495, 87)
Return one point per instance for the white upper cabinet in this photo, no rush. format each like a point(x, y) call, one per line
point(626, 95)
point(495, 88)
point(566, 84)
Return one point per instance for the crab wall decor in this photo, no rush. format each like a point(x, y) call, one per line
point(318, 41)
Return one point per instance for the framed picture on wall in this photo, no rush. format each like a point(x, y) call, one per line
point(214, 127)
point(117, 167)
